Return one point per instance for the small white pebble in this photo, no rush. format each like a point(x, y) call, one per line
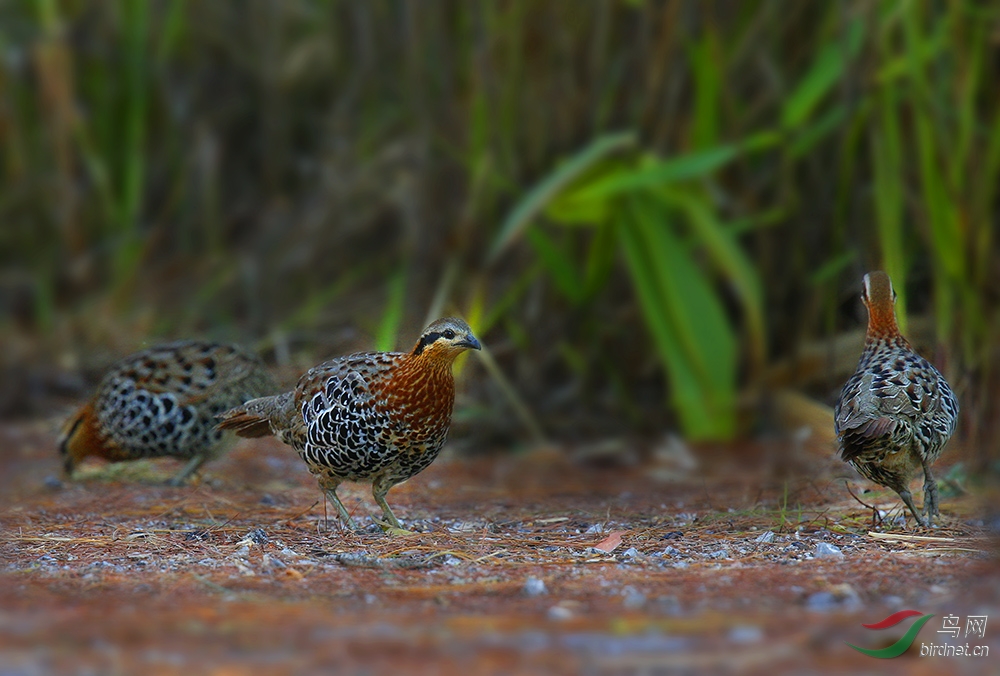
point(825, 549)
point(534, 586)
point(560, 613)
point(746, 634)
point(633, 598)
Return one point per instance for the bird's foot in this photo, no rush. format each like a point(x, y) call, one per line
point(398, 531)
point(908, 499)
point(193, 465)
point(931, 501)
point(345, 516)
point(392, 527)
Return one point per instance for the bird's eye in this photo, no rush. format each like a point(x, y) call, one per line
point(448, 333)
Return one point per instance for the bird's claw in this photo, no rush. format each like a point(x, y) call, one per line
point(392, 530)
point(930, 502)
point(391, 527)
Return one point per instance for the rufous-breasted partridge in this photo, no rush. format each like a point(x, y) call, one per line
point(162, 402)
point(372, 416)
point(897, 412)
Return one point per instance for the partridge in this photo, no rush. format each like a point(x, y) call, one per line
point(372, 416)
point(162, 402)
point(897, 412)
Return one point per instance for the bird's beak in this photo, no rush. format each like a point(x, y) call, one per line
point(69, 462)
point(67, 458)
point(471, 343)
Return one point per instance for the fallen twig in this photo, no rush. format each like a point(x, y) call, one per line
point(903, 537)
point(875, 514)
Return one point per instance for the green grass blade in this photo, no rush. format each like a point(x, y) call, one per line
point(560, 266)
point(136, 16)
point(887, 155)
point(825, 71)
point(707, 79)
point(809, 137)
point(392, 316)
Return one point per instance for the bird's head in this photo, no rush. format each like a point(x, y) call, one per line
point(879, 297)
point(76, 439)
point(445, 339)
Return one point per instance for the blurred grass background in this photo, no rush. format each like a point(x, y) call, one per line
point(655, 213)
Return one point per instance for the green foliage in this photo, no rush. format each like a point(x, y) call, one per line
point(273, 167)
point(831, 60)
point(657, 227)
point(687, 320)
point(529, 206)
point(392, 317)
point(684, 261)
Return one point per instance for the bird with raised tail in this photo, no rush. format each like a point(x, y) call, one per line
point(371, 416)
point(897, 412)
point(162, 402)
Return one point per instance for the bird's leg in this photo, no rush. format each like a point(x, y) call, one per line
point(330, 489)
point(908, 499)
point(193, 466)
point(379, 489)
point(930, 494)
point(226, 442)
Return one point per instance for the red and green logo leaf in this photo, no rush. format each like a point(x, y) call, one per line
point(900, 646)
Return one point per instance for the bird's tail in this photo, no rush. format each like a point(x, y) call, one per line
point(859, 434)
point(253, 418)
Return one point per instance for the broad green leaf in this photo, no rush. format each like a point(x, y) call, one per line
point(655, 172)
point(659, 172)
point(686, 319)
point(565, 209)
point(730, 260)
point(539, 196)
point(600, 259)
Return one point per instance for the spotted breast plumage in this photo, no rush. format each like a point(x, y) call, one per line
point(897, 412)
point(372, 416)
point(162, 402)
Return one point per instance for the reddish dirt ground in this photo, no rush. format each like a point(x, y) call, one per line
point(242, 573)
